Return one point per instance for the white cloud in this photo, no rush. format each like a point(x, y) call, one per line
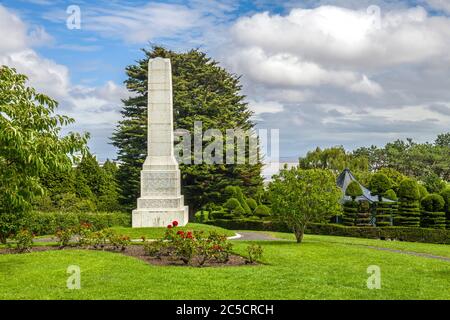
point(95, 109)
point(259, 107)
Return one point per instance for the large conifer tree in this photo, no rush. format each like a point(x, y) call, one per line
point(202, 91)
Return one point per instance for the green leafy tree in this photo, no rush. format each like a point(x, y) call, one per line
point(300, 197)
point(433, 183)
point(202, 91)
point(31, 145)
point(335, 159)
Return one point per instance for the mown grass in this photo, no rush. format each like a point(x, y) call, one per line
point(427, 248)
point(156, 233)
point(319, 268)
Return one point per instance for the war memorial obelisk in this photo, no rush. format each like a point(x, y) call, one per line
point(161, 201)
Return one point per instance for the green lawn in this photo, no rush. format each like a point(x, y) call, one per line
point(319, 268)
point(156, 233)
point(429, 248)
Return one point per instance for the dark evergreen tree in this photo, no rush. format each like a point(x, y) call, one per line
point(108, 198)
point(445, 194)
point(202, 91)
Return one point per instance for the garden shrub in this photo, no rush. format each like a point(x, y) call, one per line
point(383, 214)
point(201, 216)
point(423, 192)
point(409, 208)
point(252, 204)
point(350, 212)
point(254, 253)
point(445, 194)
point(262, 211)
point(433, 215)
point(24, 241)
point(379, 184)
point(363, 216)
point(63, 236)
point(234, 207)
point(353, 190)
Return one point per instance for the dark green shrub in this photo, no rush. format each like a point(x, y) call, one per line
point(351, 209)
point(423, 192)
point(409, 190)
point(445, 194)
point(262, 211)
point(379, 184)
point(433, 215)
point(391, 195)
point(363, 216)
point(383, 214)
point(409, 208)
point(234, 207)
point(353, 190)
point(252, 203)
point(433, 202)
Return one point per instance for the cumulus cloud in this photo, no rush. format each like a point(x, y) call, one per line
point(95, 109)
point(333, 75)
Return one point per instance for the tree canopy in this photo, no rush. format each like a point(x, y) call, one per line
point(31, 143)
point(300, 197)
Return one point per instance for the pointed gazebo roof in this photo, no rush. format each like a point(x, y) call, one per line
point(344, 179)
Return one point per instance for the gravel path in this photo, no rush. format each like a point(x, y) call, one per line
point(411, 253)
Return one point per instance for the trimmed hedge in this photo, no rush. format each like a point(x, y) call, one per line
point(395, 233)
point(44, 223)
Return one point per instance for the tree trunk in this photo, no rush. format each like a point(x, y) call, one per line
point(299, 232)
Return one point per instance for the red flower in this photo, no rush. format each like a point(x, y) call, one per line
point(175, 223)
point(189, 235)
point(180, 233)
point(169, 226)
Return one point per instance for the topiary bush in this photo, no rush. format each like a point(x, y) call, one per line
point(252, 204)
point(423, 191)
point(353, 190)
point(383, 214)
point(409, 207)
point(363, 216)
point(445, 194)
point(351, 209)
point(379, 184)
point(433, 215)
point(234, 207)
point(262, 211)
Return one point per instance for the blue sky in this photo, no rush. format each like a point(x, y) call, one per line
point(330, 75)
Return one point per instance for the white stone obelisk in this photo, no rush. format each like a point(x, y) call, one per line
point(161, 201)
